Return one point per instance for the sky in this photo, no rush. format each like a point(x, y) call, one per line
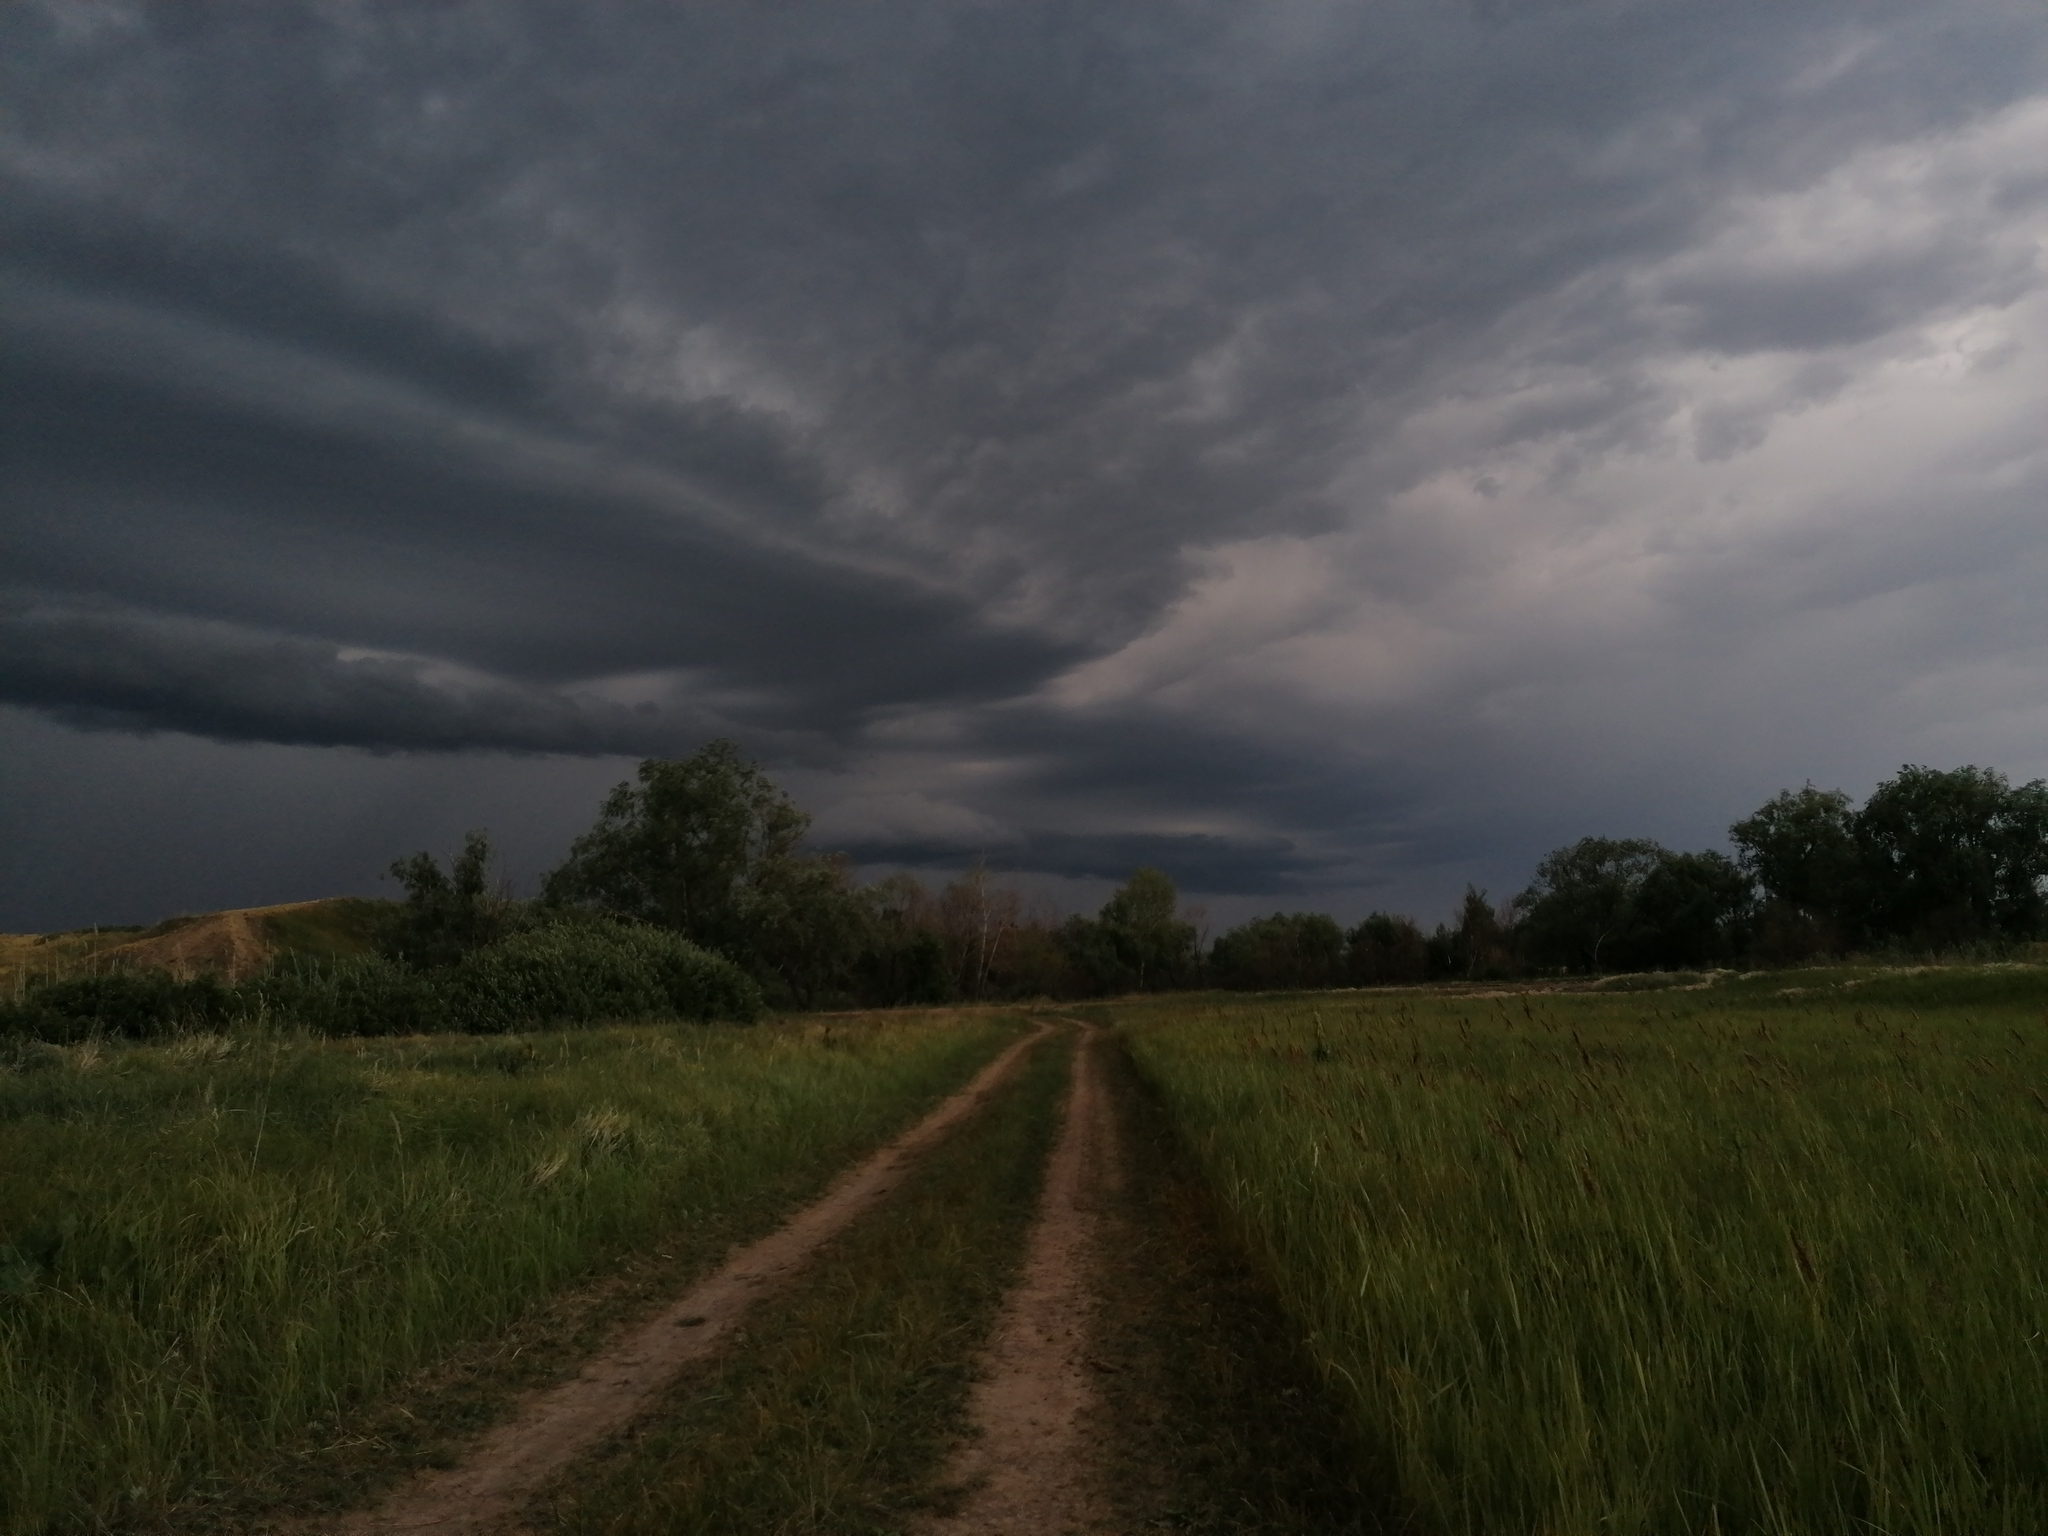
point(1333, 452)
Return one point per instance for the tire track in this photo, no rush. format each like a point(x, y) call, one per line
point(1029, 1468)
point(551, 1428)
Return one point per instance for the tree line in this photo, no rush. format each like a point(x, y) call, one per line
point(1934, 861)
point(709, 848)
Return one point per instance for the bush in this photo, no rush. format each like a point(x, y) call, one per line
point(572, 972)
point(579, 971)
point(368, 995)
point(138, 1005)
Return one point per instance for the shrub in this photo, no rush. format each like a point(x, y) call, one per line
point(572, 972)
point(139, 1005)
point(579, 971)
point(367, 995)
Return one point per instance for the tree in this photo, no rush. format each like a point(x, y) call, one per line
point(1582, 906)
point(1482, 943)
point(446, 914)
point(1953, 857)
point(689, 849)
point(904, 960)
point(806, 926)
point(1143, 925)
point(1289, 951)
point(1137, 941)
point(1692, 910)
point(1800, 848)
point(707, 846)
point(1385, 950)
point(978, 922)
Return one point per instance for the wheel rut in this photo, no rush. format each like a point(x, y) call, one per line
point(1029, 1467)
point(553, 1427)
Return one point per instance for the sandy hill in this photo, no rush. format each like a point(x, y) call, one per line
point(230, 944)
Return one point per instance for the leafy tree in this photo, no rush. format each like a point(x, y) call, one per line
point(1800, 847)
point(689, 849)
point(1385, 950)
point(1581, 910)
point(1288, 951)
point(1692, 910)
point(1481, 944)
point(446, 914)
point(904, 959)
point(707, 846)
point(1143, 925)
point(1137, 942)
point(1092, 961)
point(1953, 857)
point(806, 926)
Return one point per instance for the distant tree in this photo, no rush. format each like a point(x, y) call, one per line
point(1482, 943)
point(688, 849)
point(1137, 942)
point(807, 926)
point(1090, 959)
point(1693, 909)
point(1289, 951)
point(446, 914)
point(904, 960)
point(978, 923)
point(708, 846)
point(1800, 849)
point(1385, 950)
point(1957, 857)
point(1143, 924)
point(1582, 908)
point(1037, 964)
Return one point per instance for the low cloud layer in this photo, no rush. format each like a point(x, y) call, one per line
point(1333, 452)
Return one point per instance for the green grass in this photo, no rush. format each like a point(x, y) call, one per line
point(1210, 1416)
point(1768, 1257)
point(340, 928)
point(210, 1245)
point(835, 1409)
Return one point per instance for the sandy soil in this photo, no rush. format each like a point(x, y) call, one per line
point(230, 944)
point(1029, 1465)
point(551, 1428)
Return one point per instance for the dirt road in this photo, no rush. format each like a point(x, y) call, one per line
point(552, 1428)
point(1029, 1467)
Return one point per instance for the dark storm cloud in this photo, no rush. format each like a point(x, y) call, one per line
point(1233, 437)
point(1245, 866)
point(178, 471)
point(123, 671)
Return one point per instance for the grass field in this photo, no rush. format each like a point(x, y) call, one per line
point(210, 1245)
point(1769, 1256)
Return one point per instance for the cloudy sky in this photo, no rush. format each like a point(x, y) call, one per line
point(1331, 451)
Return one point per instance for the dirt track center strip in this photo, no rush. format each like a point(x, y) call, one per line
point(834, 1413)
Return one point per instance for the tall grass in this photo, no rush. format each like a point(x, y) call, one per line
point(1758, 1260)
point(207, 1245)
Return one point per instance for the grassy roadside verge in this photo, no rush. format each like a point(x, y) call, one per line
point(835, 1410)
point(1212, 1418)
point(215, 1247)
point(1668, 1263)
